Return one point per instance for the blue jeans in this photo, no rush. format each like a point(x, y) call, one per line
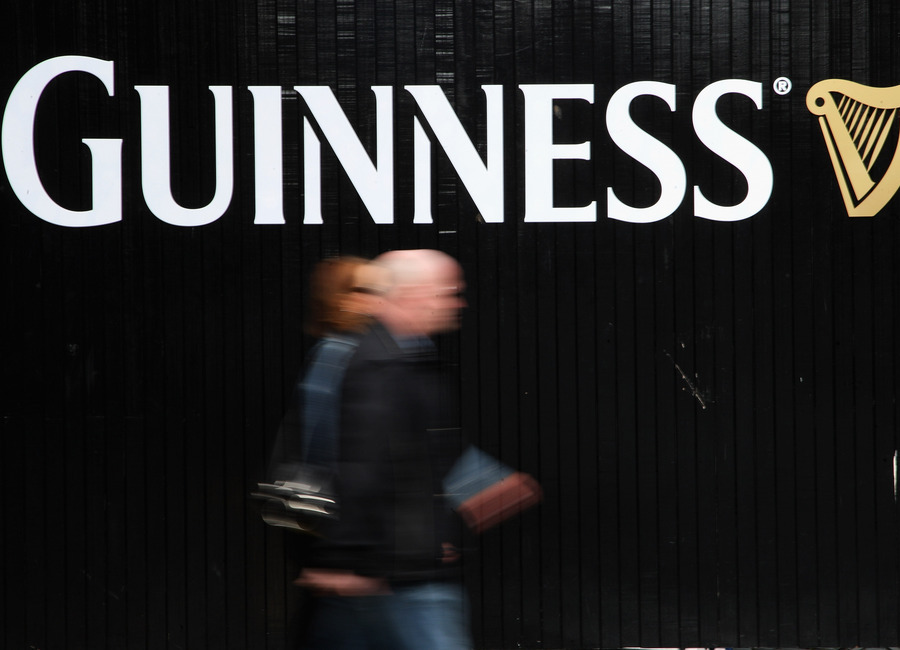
point(433, 615)
point(426, 616)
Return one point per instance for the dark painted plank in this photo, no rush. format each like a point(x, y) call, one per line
point(568, 352)
point(845, 460)
point(866, 466)
point(16, 504)
point(798, 21)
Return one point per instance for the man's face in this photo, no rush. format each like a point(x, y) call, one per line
point(441, 301)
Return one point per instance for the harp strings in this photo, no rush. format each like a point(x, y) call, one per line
point(868, 127)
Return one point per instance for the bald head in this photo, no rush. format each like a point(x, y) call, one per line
point(424, 295)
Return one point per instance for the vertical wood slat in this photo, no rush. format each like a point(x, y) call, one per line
point(15, 600)
point(885, 428)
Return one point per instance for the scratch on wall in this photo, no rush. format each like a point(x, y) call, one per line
point(695, 392)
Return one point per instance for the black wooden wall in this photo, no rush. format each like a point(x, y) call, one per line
point(710, 407)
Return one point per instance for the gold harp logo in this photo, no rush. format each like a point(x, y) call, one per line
point(857, 122)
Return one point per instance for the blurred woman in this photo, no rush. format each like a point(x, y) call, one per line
point(305, 448)
point(343, 293)
point(340, 307)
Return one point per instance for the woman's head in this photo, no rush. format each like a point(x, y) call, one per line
point(334, 306)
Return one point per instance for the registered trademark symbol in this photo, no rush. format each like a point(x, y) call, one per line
point(782, 85)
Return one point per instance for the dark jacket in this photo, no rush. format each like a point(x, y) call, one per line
point(397, 441)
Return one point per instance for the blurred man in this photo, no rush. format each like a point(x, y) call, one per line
point(388, 572)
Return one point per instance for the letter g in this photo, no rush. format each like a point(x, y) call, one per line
point(17, 142)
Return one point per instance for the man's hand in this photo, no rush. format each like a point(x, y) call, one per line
point(330, 582)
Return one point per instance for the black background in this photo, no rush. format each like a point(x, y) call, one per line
point(710, 407)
